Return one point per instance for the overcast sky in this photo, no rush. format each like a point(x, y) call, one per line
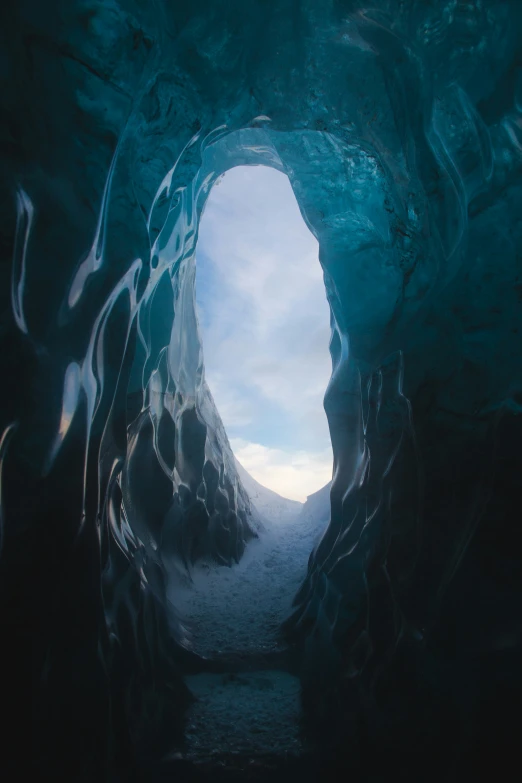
point(265, 325)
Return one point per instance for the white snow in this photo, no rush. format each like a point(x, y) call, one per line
point(271, 506)
point(239, 610)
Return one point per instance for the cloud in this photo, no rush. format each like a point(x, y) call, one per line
point(263, 315)
point(236, 408)
point(294, 475)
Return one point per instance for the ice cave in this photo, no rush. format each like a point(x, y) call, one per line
point(399, 126)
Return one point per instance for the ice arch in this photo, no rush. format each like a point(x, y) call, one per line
point(399, 129)
point(176, 355)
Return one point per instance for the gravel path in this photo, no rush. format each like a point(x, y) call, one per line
point(238, 610)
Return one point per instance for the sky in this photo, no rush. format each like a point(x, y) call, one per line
point(265, 327)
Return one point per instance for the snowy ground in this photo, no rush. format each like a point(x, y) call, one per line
point(250, 714)
point(238, 610)
point(268, 503)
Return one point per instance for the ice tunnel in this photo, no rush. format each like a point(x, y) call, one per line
point(399, 126)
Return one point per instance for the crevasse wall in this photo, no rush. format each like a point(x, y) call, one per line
point(399, 127)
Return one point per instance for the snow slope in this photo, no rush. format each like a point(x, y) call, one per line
point(317, 506)
point(236, 612)
point(239, 609)
point(269, 504)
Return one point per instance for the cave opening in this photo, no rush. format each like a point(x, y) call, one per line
point(264, 324)
point(265, 328)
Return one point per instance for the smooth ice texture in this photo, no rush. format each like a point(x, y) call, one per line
point(399, 126)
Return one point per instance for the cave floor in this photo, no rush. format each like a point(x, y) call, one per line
point(239, 610)
point(253, 713)
point(249, 705)
point(227, 768)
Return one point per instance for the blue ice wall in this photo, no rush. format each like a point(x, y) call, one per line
point(399, 126)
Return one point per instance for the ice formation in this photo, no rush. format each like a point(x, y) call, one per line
point(399, 125)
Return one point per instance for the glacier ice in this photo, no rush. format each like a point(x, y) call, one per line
point(399, 127)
